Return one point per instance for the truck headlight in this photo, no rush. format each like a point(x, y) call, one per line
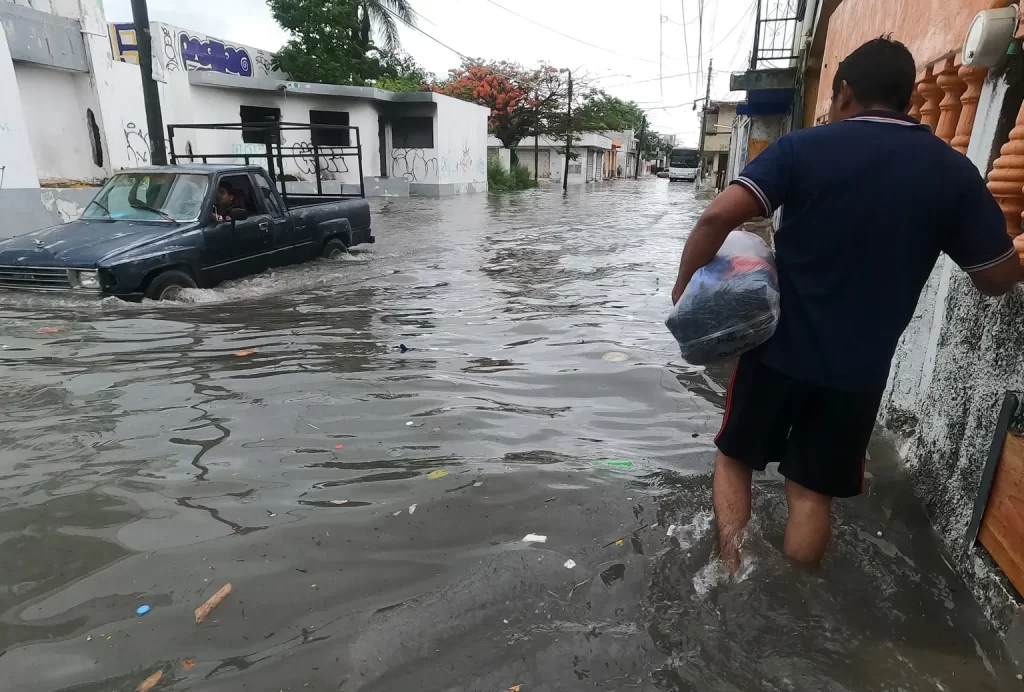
point(89, 279)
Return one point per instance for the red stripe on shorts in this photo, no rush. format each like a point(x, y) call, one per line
point(728, 401)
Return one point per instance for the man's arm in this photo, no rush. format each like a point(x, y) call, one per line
point(1000, 278)
point(736, 205)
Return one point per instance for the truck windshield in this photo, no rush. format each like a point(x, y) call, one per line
point(150, 197)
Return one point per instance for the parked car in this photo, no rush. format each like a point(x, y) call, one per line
point(151, 232)
point(662, 174)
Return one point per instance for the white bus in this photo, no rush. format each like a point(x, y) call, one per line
point(683, 164)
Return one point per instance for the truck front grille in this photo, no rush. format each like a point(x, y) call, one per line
point(35, 278)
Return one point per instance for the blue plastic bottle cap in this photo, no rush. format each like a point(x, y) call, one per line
point(142, 610)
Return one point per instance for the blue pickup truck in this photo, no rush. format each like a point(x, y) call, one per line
point(151, 232)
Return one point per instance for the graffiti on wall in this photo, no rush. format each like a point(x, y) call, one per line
point(123, 42)
point(212, 55)
point(412, 165)
point(243, 149)
point(175, 49)
point(331, 163)
point(170, 52)
point(136, 145)
point(264, 62)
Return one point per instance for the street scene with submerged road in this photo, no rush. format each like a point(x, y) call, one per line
point(468, 457)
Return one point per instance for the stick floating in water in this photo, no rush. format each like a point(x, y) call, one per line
point(214, 601)
point(150, 682)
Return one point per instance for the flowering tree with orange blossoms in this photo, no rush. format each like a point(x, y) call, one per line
point(523, 102)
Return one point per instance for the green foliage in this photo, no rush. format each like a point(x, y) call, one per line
point(331, 43)
point(500, 180)
point(322, 48)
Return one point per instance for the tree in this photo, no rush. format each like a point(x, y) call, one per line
point(522, 102)
point(400, 72)
point(602, 111)
point(323, 48)
point(383, 15)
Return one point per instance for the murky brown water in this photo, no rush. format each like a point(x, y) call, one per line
point(143, 462)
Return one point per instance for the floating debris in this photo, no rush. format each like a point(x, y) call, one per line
point(409, 424)
point(339, 446)
point(142, 610)
point(211, 603)
point(534, 538)
point(613, 464)
point(338, 502)
point(49, 330)
point(434, 475)
point(672, 530)
point(395, 514)
point(477, 484)
point(188, 663)
point(614, 357)
point(245, 352)
point(516, 688)
point(403, 348)
point(569, 564)
point(412, 509)
point(150, 682)
point(879, 534)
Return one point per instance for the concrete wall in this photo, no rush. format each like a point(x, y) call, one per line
point(931, 29)
point(461, 146)
point(956, 360)
point(56, 104)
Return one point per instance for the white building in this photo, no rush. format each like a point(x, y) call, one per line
point(587, 164)
point(72, 114)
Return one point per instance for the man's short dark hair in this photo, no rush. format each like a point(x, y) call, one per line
point(882, 72)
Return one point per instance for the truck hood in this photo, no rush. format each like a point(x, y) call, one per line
point(82, 243)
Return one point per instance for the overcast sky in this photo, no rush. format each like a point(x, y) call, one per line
point(624, 57)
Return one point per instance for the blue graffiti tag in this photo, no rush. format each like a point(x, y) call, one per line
point(214, 56)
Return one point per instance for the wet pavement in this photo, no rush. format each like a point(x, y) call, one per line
point(368, 506)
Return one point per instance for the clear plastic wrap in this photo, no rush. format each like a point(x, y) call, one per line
point(731, 305)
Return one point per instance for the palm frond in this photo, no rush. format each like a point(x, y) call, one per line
point(385, 15)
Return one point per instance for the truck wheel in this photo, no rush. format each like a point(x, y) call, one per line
point(334, 249)
point(167, 285)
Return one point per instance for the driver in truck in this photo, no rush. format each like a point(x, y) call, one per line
point(227, 199)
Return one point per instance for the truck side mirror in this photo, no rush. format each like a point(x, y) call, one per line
point(238, 214)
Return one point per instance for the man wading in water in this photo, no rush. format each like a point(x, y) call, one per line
point(869, 201)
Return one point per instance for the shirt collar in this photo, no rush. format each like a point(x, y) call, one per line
point(886, 116)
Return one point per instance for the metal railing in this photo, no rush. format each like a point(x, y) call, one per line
point(276, 152)
point(775, 33)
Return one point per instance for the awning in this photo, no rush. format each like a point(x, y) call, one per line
point(767, 102)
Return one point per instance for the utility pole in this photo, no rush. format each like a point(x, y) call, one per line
point(536, 145)
point(704, 121)
point(640, 147)
point(568, 137)
point(150, 93)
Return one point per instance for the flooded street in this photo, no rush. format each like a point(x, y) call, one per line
point(368, 505)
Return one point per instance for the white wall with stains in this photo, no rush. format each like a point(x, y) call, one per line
point(461, 144)
point(57, 104)
point(17, 164)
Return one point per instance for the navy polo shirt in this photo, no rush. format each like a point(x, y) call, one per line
point(868, 204)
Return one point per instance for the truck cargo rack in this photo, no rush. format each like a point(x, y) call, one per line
point(276, 153)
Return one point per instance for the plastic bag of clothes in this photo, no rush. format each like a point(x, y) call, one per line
point(731, 305)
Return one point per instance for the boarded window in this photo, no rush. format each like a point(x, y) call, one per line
point(329, 137)
point(258, 114)
point(412, 133)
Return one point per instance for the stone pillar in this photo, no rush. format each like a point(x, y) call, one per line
point(916, 101)
point(950, 107)
point(932, 96)
point(1006, 179)
point(973, 77)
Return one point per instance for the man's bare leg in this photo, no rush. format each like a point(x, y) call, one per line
point(809, 526)
point(732, 506)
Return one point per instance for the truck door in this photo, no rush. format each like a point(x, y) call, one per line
point(238, 248)
point(284, 236)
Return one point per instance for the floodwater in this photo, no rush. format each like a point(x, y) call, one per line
point(368, 506)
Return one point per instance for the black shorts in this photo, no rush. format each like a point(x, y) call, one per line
point(818, 435)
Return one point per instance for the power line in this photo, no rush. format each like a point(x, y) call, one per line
point(571, 38)
point(416, 28)
point(685, 46)
point(655, 79)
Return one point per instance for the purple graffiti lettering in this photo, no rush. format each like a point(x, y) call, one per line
point(214, 56)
